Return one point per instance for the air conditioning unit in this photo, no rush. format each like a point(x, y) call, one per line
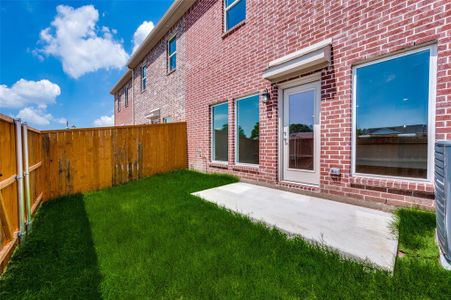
point(443, 200)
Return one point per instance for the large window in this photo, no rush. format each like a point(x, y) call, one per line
point(172, 54)
point(220, 132)
point(392, 113)
point(234, 13)
point(143, 77)
point(247, 130)
point(119, 102)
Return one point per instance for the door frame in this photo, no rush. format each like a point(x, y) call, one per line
point(280, 98)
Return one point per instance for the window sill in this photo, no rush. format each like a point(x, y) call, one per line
point(405, 187)
point(233, 29)
point(219, 165)
point(246, 168)
point(171, 72)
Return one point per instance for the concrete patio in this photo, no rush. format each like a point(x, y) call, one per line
point(356, 232)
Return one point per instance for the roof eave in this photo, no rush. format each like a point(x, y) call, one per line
point(169, 19)
point(121, 82)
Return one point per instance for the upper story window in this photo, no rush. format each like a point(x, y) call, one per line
point(220, 132)
point(119, 103)
point(172, 54)
point(393, 120)
point(143, 77)
point(234, 13)
point(126, 96)
point(247, 130)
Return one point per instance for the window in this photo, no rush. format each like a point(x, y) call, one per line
point(220, 132)
point(126, 97)
point(167, 120)
point(119, 102)
point(234, 13)
point(392, 116)
point(143, 77)
point(247, 130)
point(172, 54)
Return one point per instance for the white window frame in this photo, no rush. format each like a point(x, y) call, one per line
point(212, 129)
point(431, 114)
point(173, 38)
point(126, 96)
point(226, 9)
point(236, 136)
point(143, 78)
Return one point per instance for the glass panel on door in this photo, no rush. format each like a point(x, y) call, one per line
point(301, 138)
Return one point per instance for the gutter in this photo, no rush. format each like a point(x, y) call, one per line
point(169, 19)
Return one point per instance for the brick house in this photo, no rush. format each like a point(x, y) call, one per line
point(341, 98)
point(123, 101)
point(156, 75)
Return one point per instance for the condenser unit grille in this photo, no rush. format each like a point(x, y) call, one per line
point(442, 180)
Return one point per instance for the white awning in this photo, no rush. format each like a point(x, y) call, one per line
point(153, 114)
point(308, 59)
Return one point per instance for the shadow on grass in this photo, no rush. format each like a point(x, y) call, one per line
point(58, 259)
point(151, 238)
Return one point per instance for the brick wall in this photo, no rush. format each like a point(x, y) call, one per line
point(125, 115)
point(165, 91)
point(223, 67)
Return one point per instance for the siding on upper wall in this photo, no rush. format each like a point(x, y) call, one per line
point(165, 91)
point(223, 67)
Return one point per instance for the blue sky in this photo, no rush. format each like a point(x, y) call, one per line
point(59, 59)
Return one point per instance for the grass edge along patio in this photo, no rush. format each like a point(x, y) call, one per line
point(152, 237)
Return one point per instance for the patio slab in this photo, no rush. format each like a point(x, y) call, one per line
point(356, 232)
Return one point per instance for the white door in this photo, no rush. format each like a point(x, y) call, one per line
point(301, 134)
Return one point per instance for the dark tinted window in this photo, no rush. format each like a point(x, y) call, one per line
point(392, 116)
point(235, 12)
point(220, 132)
point(247, 130)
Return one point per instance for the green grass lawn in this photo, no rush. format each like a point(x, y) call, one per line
point(152, 239)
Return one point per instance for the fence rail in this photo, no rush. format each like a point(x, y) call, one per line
point(82, 160)
point(63, 162)
point(16, 210)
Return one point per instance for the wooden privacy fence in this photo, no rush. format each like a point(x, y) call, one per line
point(63, 162)
point(82, 160)
point(21, 182)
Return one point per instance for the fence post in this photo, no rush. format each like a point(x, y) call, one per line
point(19, 176)
point(26, 175)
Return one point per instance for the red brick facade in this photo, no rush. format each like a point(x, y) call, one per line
point(165, 91)
point(223, 67)
point(123, 112)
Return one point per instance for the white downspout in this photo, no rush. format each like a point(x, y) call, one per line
point(19, 176)
point(27, 176)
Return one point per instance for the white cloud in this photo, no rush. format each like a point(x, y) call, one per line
point(82, 47)
point(104, 121)
point(25, 92)
point(35, 116)
point(62, 121)
point(141, 33)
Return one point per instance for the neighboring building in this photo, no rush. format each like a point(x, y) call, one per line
point(342, 98)
point(123, 101)
point(157, 71)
